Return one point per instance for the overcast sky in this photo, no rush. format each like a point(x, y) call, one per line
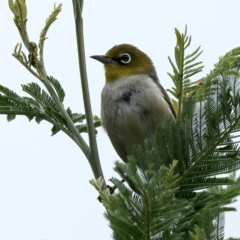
point(44, 180)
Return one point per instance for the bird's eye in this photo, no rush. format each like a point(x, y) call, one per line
point(124, 58)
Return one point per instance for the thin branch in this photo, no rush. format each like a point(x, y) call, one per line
point(91, 155)
point(94, 158)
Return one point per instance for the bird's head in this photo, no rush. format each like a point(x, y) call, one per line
point(123, 61)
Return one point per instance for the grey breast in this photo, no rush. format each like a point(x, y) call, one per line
point(130, 110)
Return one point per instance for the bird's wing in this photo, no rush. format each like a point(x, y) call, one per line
point(154, 77)
point(167, 99)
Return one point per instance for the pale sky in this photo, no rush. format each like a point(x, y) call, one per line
point(44, 180)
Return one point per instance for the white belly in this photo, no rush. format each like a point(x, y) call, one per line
point(131, 108)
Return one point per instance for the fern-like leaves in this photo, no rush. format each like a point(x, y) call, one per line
point(41, 107)
point(204, 141)
point(145, 210)
point(184, 68)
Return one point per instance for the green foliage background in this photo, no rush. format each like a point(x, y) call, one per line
point(173, 186)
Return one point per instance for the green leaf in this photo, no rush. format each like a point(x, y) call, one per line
point(49, 21)
point(34, 90)
point(5, 101)
point(197, 234)
point(81, 128)
point(30, 117)
point(9, 93)
point(33, 104)
point(41, 97)
point(19, 9)
point(76, 117)
point(57, 86)
point(38, 119)
point(11, 117)
point(55, 130)
point(97, 123)
point(146, 210)
point(203, 183)
point(184, 69)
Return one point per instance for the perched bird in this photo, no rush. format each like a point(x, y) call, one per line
point(133, 100)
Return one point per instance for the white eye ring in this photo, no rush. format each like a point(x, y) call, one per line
point(124, 58)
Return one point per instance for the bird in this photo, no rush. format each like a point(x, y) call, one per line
point(133, 102)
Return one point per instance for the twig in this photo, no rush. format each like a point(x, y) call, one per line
point(94, 158)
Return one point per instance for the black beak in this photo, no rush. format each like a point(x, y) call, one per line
point(103, 59)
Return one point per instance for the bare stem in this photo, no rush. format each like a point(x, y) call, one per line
point(95, 162)
point(70, 124)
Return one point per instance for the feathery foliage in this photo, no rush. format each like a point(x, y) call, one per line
point(49, 103)
point(184, 69)
point(197, 234)
point(41, 107)
point(138, 212)
point(49, 22)
point(203, 140)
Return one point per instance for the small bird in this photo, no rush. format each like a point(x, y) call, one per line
point(133, 101)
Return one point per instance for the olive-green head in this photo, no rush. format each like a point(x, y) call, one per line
point(123, 61)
